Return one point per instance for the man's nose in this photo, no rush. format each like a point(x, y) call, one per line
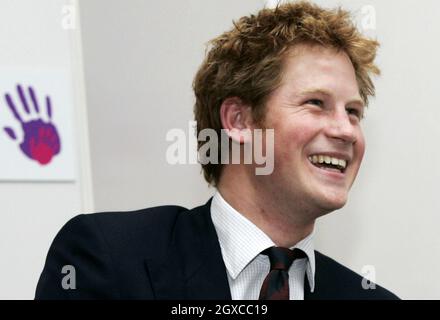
point(341, 127)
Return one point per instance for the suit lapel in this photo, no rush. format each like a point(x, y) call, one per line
point(310, 295)
point(322, 283)
point(193, 266)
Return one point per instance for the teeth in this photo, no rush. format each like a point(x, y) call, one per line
point(328, 160)
point(342, 163)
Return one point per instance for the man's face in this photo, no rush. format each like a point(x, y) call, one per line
point(315, 114)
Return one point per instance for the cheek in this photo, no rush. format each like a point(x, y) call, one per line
point(360, 148)
point(290, 142)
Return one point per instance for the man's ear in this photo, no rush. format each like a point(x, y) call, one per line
point(236, 119)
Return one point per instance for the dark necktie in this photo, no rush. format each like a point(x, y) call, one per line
point(276, 284)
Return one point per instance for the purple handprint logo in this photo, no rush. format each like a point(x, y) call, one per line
point(41, 141)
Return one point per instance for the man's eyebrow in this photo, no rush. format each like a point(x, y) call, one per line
point(328, 93)
point(315, 90)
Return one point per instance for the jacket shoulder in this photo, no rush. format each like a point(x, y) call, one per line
point(102, 246)
point(131, 220)
point(150, 226)
point(336, 281)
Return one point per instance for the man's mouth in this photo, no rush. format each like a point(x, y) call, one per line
point(329, 163)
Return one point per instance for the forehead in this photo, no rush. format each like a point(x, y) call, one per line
point(309, 67)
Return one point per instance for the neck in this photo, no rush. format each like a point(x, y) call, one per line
point(285, 224)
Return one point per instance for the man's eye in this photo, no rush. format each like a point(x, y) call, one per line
point(315, 102)
point(355, 112)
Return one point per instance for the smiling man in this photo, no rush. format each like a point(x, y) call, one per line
point(315, 113)
point(300, 70)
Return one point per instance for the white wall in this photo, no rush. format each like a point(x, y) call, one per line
point(31, 36)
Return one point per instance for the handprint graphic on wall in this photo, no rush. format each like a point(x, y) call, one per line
point(41, 141)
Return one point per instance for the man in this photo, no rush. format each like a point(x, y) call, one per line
point(300, 70)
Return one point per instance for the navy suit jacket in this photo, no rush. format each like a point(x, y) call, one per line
point(166, 252)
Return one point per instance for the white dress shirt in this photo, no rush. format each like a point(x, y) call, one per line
point(241, 244)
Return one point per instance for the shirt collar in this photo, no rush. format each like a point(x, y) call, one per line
point(241, 240)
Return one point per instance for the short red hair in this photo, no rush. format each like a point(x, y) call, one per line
point(247, 61)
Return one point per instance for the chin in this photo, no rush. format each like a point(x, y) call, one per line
point(331, 202)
